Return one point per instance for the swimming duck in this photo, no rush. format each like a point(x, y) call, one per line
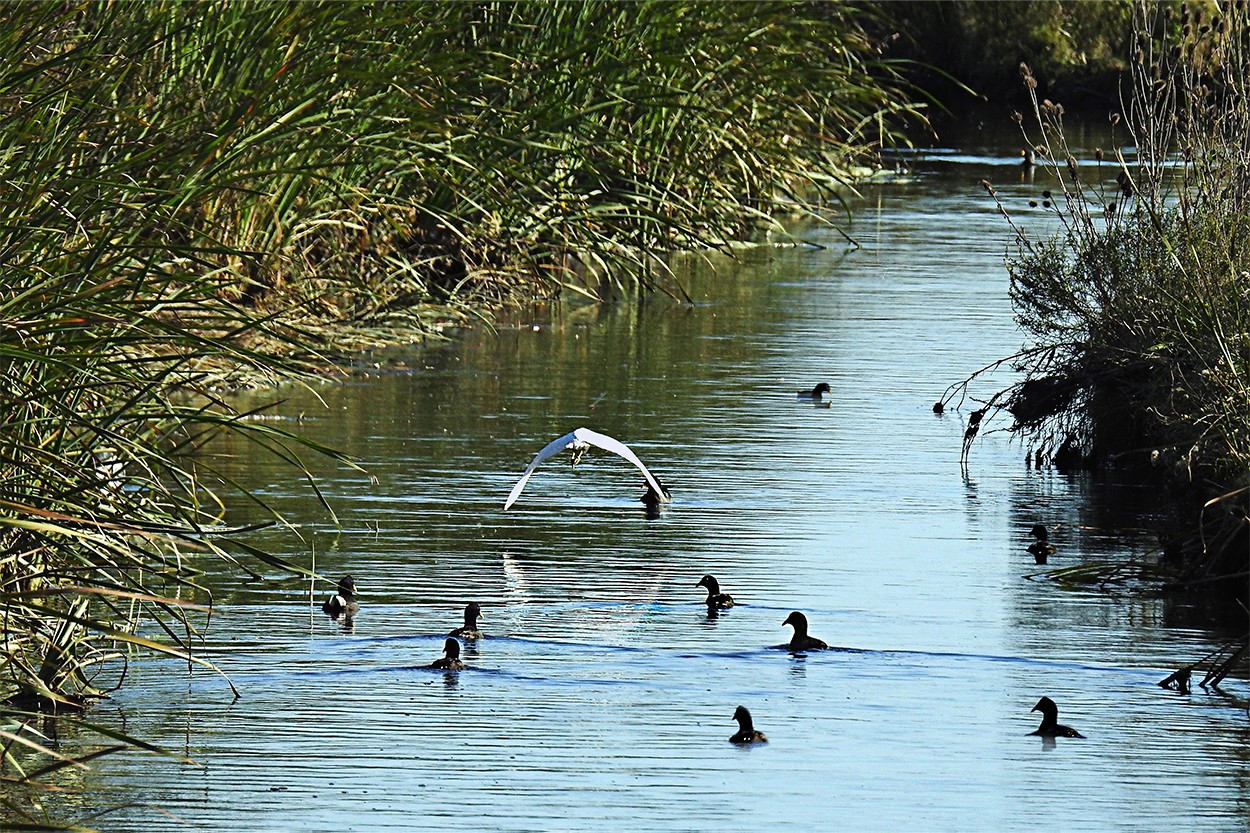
point(815, 393)
point(451, 660)
point(580, 440)
point(1050, 727)
point(471, 613)
point(653, 500)
point(801, 641)
point(716, 600)
point(747, 733)
point(343, 603)
point(1042, 549)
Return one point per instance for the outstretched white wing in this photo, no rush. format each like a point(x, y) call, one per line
point(553, 447)
point(584, 436)
point(617, 447)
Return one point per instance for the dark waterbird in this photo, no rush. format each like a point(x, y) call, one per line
point(1178, 680)
point(716, 600)
point(450, 661)
point(801, 641)
point(580, 440)
point(1042, 549)
point(343, 603)
point(1051, 727)
point(652, 501)
point(747, 733)
point(472, 611)
point(815, 394)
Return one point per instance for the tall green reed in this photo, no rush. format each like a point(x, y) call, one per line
point(113, 311)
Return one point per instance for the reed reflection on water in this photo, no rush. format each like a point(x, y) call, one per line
point(603, 691)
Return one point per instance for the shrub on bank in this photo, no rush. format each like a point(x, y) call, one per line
point(1140, 306)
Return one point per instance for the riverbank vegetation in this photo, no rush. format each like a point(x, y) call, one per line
point(193, 188)
point(1139, 307)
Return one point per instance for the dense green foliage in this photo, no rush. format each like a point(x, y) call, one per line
point(1140, 307)
point(192, 186)
point(355, 158)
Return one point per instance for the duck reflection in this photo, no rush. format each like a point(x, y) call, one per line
point(798, 666)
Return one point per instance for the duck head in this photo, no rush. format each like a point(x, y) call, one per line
point(712, 585)
point(798, 621)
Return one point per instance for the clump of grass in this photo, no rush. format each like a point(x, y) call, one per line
point(1139, 307)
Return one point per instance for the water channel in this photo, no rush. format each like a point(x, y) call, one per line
point(602, 695)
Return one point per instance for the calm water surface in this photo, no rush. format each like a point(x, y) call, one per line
point(602, 696)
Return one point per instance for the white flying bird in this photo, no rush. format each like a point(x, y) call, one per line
point(579, 441)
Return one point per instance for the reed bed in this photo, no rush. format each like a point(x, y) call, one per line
point(344, 162)
point(192, 188)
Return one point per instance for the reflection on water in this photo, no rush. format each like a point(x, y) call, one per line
point(602, 695)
